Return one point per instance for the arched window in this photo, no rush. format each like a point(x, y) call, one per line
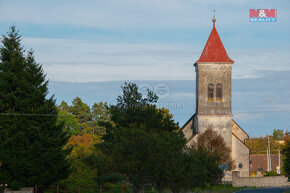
point(219, 91)
point(210, 91)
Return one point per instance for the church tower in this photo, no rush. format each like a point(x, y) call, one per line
point(213, 88)
point(214, 103)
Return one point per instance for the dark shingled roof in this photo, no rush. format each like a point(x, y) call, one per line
point(260, 161)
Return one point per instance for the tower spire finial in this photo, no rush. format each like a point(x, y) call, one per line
point(213, 18)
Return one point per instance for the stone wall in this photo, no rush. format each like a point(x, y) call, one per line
point(213, 73)
point(222, 124)
point(268, 181)
point(187, 129)
point(240, 155)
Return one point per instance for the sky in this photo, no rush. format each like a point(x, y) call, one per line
point(113, 40)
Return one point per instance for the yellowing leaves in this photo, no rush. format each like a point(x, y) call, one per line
point(83, 145)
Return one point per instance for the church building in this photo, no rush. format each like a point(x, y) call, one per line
point(214, 103)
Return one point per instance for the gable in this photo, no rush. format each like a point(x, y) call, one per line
point(187, 129)
point(239, 132)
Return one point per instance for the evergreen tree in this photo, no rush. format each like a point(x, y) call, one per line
point(31, 141)
point(100, 114)
point(144, 142)
point(278, 134)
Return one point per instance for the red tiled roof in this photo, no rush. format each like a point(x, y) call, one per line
point(214, 50)
point(260, 161)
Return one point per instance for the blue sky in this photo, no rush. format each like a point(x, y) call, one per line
point(114, 40)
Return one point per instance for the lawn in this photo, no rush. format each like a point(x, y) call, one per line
point(228, 188)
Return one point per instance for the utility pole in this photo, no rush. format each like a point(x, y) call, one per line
point(279, 157)
point(267, 159)
point(269, 148)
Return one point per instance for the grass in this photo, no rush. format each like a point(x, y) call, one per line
point(220, 188)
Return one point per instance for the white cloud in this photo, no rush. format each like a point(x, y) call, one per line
point(132, 14)
point(82, 61)
point(109, 14)
point(245, 117)
point(67, 59)
point(250, 62)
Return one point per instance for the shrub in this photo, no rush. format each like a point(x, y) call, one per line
point(271, 173)
point(15, 185)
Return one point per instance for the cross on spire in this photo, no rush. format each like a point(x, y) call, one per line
point(213, 18)
point(214, 51)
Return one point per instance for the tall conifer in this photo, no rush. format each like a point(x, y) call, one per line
point(31, 142)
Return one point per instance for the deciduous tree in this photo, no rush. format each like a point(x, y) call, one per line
point(215, 144)
point(70, 122)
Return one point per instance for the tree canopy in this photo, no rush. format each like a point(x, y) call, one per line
point(80, 118)
point(31, 140)
point(286, 160)
point(278, 134)
point(216, 146)
point(76, 144)
point(145, 146)
point(83, 124)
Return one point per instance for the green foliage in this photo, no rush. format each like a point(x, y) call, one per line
point(198, 168)
point(166, 158)
point(109, 178)
point(260, 145)
point(84, 124)
point(271, 173)
point(278, 134)
point(138, 143)
point(64, 106)
point(15, 185)
point(31, 141)
point(220, 188)
point(204, 167)
point(83, 171)
point(145, 146)
point(286, 160)
point(70, 122)
point(80, 118)
point(83, 113)
point(100, 114)
point(117, 188)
